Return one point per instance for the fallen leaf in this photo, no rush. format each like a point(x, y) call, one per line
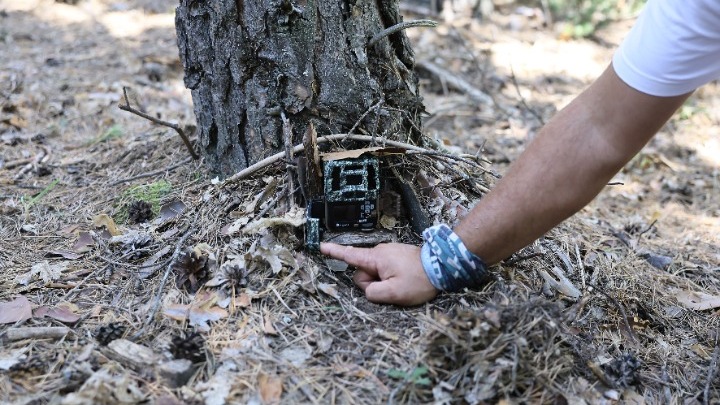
point(104, 221)
point(296, 355)
point(270, 388)
point(268, 327)
point(16, 310)
point(216, 390)
point(147, 269)
point(12, 358)
point(85, 243)
point(698, 301)
point(199, 313)
point(178, 312)
point(243, 300)
point(172, 210)
point(64, 254)
point(329, 289)
point(61, 313)
point(199, 317)
point(295, 218)
point(45, 270)
point(660, 262)
point(275, 255)
point(356, 153)
point(388, 222)
point(235, 226)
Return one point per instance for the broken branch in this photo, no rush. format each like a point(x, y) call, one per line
point(399, 27)
point(158, 121)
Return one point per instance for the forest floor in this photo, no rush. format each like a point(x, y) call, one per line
point(94, 302)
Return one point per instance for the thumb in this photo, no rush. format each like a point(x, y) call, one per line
point(385, 292)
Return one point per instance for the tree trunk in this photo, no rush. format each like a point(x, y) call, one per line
point(248, 63)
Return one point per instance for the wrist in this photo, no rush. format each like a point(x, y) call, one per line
point(447, 262)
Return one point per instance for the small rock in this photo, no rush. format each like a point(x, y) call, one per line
point(176, 372)
point(132, 354)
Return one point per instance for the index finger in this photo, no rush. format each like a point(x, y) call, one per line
point(358, 257)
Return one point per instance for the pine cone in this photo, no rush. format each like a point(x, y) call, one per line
point(193, 269)
point(107, 333)
point(190, 347)
point(236, 274)
point(140, 211)
point(31, 367)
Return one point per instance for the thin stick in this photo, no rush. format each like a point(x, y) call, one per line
point(289, 157)
point(32, 332)
point(456, 82)
point(711, 374)
point(399, 27)
point(522, 99)
point(362, 117)
point(168, 270)
point(322, 139)
point(154, 173)
point(158, 121)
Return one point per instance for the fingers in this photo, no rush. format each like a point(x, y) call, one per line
point(363, 279)
point(358, 257)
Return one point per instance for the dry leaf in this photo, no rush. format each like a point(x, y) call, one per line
point(295, 218)
point(46, 271)
point(85, 243)
point(66, 254)
point(199, 313)
point(9, 359)
point(178, 312)
point(235, 226)
point(268, 327)
point(199, 317)
point(16, 310)
point(104, 221)
point(171, 210)
point(329, 289)
point(147, 268)
point(388, 222)
point(243, 300)
point(62, 313)
point(698, 301)
point(216, 390)
point(356, 153)
point(270, 388)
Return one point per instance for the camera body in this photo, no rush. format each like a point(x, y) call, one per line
point(351, 189)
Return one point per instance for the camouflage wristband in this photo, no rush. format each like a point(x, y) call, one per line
point(449, 265)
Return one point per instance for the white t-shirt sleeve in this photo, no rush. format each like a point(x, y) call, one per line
point(673, 48)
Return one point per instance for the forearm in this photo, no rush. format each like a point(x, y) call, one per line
point(565, 166)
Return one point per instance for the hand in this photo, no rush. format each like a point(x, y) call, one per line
point(389, 273)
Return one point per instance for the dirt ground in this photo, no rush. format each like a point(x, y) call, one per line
point(99, 309)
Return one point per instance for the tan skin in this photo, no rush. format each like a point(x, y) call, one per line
point(567, 164)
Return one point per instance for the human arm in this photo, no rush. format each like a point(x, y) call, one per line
point(564, 167)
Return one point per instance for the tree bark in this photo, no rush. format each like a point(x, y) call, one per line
point(250, 62)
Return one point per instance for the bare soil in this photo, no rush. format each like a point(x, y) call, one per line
point(283, 325)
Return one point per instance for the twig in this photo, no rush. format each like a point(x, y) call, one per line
point(158, 121)
point(518, 259)
point(622, 312)
point(153, 173)
point(711, 374)
point(456, 82)
point(168, 270)
point(32, 332)
point(362, 117)
point(289, 157)
point(322, 139)
point(399, 27)
point(522, 99)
